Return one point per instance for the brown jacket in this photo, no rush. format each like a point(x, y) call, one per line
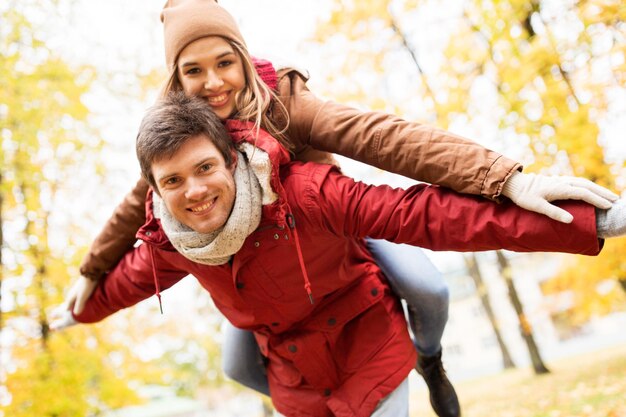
point(317, 127)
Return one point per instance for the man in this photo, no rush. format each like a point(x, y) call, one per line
point(279, 247)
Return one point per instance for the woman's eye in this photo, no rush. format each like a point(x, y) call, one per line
point(225, 63)
point(192, 71)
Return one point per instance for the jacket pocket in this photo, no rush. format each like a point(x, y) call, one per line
point(270, 260)
point(283, 371)
point(264, 280)
point(362, 338)
point(356, 324)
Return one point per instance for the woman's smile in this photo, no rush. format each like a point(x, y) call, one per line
point(218, 100)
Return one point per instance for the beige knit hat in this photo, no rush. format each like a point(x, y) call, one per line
point(185, 21)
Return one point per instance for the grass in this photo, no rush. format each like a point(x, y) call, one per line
point(590, 385)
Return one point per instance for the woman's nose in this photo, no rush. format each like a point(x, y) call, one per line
point(213, 81)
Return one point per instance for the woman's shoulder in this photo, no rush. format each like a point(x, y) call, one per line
point(285, 67)
point(291, 71)
point(291, 80)
point(280, 75)
point(289, 75)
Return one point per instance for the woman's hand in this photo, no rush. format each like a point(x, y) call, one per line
point(535, 192)
point(74, 302)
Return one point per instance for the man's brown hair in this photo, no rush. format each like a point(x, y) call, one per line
point(170, 123)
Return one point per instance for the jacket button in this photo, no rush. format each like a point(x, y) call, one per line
point(257, 244)
point(374, 292)
point(276, 237)
point(326, 392)
point(292, 348)
point(331, 321)
point(240, 285)
point(286, 237)
point(148, 233)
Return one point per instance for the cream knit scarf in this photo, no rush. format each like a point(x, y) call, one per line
point(253, 190)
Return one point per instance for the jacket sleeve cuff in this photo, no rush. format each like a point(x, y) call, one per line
point(499, 173)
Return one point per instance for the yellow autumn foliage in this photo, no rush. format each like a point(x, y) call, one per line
point(67, 377)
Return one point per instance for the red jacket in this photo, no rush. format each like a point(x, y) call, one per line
point(344, 353)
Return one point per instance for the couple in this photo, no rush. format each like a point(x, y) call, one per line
point(278, 244)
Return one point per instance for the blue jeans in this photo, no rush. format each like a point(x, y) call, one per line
point(412, 277)
point(242, 360)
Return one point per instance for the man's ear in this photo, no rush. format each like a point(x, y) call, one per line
point(151, 183)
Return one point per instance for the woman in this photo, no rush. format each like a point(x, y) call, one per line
point(207, 57)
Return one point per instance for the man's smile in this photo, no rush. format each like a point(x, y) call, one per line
point(204, 207)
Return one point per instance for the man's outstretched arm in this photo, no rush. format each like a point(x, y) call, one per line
point(439, 219)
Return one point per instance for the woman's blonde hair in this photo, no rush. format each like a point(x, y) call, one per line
point(256, 103)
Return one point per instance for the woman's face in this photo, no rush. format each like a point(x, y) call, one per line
point(211, 69)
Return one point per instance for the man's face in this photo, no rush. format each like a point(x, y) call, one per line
point(196, 185)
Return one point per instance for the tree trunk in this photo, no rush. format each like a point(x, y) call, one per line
point(41, 253)
point(38, 253)
point(525, 327)
point(472, 267)
point(409, 49)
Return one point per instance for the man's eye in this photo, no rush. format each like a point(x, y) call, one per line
point(206, 167)
point(171, 181)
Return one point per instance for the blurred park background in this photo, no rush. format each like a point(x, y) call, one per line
point(542, 81)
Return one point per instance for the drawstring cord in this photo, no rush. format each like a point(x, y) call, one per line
point(156, 280)
point(291, 222)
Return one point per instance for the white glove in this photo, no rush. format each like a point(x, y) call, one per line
point(75, 301)
point(61, 319)
point(534, 192)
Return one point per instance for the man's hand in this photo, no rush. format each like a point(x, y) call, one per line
point(74, 302)
point(534, 192)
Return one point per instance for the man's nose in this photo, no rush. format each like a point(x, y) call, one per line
point(213, 81)
point(196, 190)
